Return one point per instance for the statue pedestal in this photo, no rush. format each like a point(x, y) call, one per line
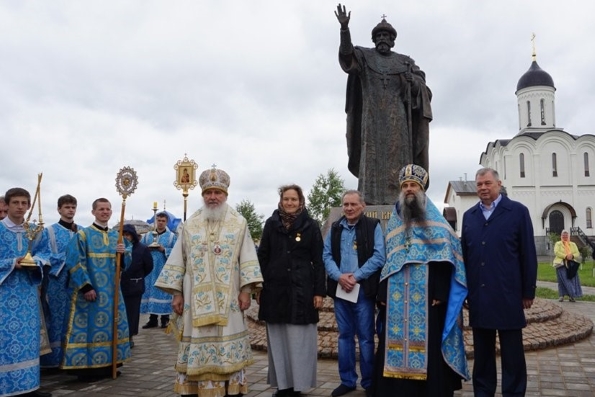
point(381, 212)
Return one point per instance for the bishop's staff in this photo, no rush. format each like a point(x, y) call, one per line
point(126, 182)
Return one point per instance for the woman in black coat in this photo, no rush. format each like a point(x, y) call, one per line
point(133, 279)
point(290, 255)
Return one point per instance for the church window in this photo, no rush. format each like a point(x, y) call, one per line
point(589, 219)
point(522, 164)
point(554, 165)
point(586, 160)
point(556, 222)
point(528, 113)
point(542, 106)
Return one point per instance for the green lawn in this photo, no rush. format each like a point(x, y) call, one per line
point(546, 272)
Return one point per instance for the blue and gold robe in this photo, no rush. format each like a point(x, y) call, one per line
point(408, 252)
point(91, 260)
point(155, 300)
point(57, 297)
point(19, 311)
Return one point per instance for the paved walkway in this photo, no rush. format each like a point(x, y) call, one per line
point(561, 371)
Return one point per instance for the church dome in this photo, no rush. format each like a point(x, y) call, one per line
point(535, 76)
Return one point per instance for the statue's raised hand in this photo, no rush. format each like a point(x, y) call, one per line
point(343, 16)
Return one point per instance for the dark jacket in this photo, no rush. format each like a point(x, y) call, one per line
point(364, 231)
point(293, 271)
point(501, 264)
point(133, 278)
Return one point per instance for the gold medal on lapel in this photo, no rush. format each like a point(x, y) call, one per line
point(298, 238)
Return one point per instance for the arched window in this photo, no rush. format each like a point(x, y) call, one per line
point(528, 113)
point(554, 165)
point(586, 160)
point(522, 164)
point(589, 218)
point(542, 106)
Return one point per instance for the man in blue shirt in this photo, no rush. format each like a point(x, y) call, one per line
point(353, 257)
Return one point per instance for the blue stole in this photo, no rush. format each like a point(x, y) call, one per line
point(407, 304)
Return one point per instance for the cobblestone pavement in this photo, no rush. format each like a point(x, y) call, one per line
point(567, 370)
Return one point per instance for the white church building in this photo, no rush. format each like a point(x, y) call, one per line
point(547, 169)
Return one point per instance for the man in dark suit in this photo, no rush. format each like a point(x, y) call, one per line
point(501, 263)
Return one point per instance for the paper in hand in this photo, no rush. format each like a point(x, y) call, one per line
point(348, 296)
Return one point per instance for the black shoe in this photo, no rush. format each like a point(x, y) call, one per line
point(150, 325)
point(342, 390)
point(164, 325)
point(283, 393)
point(89, 378)
point(38, 393)
point(369, 392)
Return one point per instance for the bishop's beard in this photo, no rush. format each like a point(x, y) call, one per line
point(215, 213)
point(413, 208)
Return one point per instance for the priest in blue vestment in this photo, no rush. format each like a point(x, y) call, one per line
point(56, 295)
point(19, 300)
point(423, 286)
point(155, 301)
point(91, 265)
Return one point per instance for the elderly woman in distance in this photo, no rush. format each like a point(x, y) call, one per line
point(566, 250)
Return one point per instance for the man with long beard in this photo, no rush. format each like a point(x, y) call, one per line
point(423, 286)
point(212, 270)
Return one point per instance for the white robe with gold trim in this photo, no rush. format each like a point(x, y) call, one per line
point(210, 265)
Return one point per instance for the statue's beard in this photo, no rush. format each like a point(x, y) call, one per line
point(215, 213)
point(383, 46)
point(413, 208)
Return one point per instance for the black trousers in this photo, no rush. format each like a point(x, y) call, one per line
point(133, 312)
point(512, 356)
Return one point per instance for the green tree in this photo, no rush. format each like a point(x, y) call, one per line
point(246, 208)
point(325, 194)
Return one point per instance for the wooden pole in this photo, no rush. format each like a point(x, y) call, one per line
point(117, 295)
point(185, 194)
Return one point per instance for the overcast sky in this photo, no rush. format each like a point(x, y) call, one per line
point(255, 87)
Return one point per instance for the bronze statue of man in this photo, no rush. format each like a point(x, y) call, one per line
point(388, 111)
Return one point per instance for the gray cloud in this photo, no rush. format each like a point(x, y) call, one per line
point(255, 87)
